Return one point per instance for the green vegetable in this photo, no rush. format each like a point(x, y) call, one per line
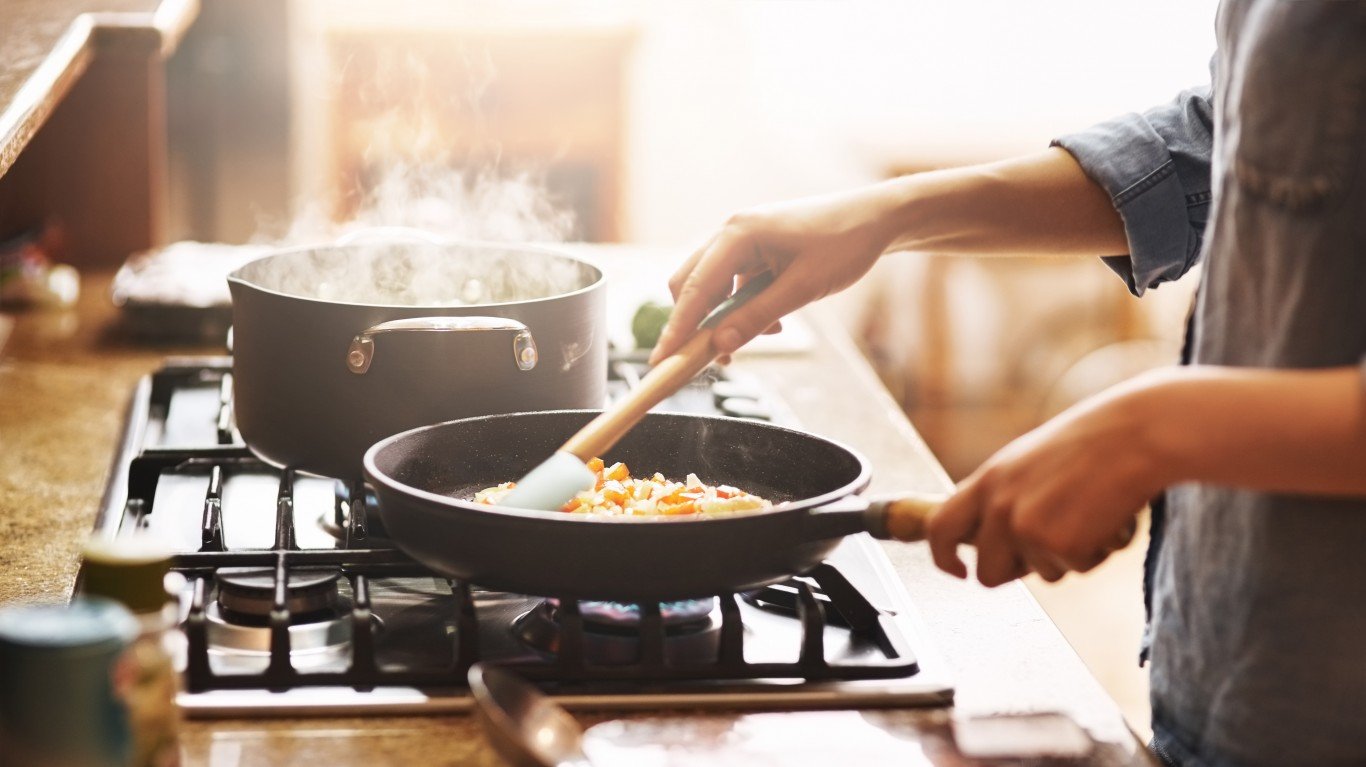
point(649, 322)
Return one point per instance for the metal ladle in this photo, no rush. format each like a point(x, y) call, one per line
point(526, 728)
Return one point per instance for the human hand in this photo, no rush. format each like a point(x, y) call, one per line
point(813, 246)
point(1062, 497)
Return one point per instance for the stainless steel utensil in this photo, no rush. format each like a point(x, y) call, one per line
point(525, 727)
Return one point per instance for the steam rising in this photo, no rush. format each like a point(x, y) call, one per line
point(484, 205)
point(414, 183)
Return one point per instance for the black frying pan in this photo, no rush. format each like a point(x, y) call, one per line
point(425, 477)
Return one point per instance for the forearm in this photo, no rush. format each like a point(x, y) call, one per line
point(819, 245)
point(1040, 204)
point(1286, 431)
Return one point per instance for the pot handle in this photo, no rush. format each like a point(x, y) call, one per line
point(391, 234)
point(903, 517)
point(362, 350)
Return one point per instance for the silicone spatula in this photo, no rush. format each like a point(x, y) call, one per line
point(565, 474)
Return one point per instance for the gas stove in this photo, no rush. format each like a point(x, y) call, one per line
point(295, 602)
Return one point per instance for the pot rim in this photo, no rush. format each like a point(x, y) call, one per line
point(236, 278)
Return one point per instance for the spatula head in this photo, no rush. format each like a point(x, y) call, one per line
point(551, 485)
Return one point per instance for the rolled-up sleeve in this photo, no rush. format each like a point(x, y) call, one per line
point(1156, 168)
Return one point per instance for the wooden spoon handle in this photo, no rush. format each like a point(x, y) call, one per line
point(671, 374)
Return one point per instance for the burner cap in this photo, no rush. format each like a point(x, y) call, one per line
point(250, 591)
point(610, 630)
point(677, 617)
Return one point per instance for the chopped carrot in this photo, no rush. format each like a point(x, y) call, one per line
point(595, 465)
point(687, 507)
point(618, 472)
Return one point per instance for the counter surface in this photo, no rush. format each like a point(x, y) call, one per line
point(46, 44)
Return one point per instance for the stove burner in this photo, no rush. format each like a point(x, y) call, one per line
point(683, 616)
point(247, 594)
point(311, 645)
point(611, 630)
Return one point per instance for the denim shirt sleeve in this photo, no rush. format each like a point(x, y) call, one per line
point(1156, 169)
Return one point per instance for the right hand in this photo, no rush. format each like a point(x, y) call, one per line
point(814, 247)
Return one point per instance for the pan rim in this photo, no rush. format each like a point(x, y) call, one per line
point(853, 487)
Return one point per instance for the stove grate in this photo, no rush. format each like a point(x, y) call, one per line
point(822, 598)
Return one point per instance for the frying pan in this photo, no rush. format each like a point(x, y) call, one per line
point(425, 477)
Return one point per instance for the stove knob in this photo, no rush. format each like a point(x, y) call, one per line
point(744, 407)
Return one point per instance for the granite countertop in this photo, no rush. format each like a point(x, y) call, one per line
point(65, 379)
point(46, 44)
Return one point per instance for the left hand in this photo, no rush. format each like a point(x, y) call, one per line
point(1062, 497)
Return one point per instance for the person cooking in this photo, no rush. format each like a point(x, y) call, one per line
point(1256, 448)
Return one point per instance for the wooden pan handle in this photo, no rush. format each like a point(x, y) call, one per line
point(904, 517)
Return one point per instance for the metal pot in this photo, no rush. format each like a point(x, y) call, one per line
point(337, 347)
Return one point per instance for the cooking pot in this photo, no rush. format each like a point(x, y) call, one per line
point(339, 346)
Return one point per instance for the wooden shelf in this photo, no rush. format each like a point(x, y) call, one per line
point(82, 127)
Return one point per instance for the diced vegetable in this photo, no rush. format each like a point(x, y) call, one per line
point(687, 507)
point(616, 493)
